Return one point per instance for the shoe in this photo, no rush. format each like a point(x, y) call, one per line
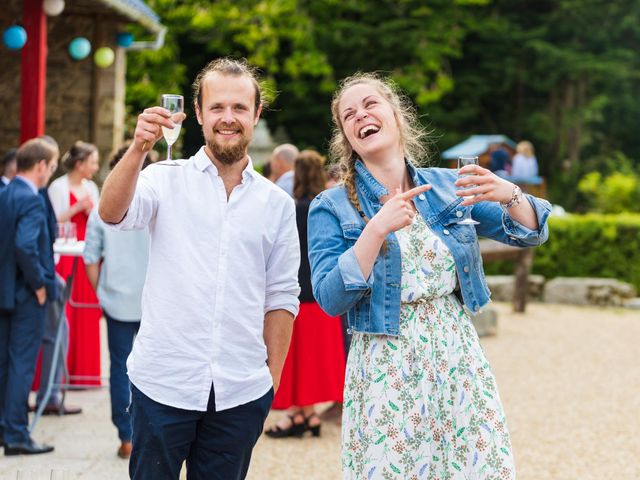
point(124, 451)
point(295, 430)
point(315, 430)
point(61, 410)
point(27, 448)
point(57, 410)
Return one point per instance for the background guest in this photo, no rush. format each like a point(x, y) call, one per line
point(314, 369)
point(28, 279)
point(500, 161)
point(73, 196)
point(8, 166)
point(53, 316)
point(525, 164)
point(118, 282)
point(282, 160)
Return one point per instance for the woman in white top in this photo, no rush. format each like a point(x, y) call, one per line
point(81, 163)
point(73, 196)
point(524, 162)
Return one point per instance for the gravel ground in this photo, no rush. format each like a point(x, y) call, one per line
point(569, 378)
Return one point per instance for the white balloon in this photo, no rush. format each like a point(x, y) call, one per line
point(53, 7)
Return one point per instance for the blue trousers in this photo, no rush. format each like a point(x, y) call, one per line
point(20, 336)
point(120, 335)
point(216, 445)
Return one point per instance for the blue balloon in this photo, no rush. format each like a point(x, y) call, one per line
point(79, 48)
point(124, 39)
point(14, 37)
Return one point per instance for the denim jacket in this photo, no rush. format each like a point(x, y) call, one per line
point(373, 304)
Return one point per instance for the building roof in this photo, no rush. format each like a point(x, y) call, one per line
point(137, 11)
point(476, 145)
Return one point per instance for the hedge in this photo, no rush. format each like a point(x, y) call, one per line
point(592, 245)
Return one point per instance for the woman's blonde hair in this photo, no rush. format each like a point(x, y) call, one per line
point(525, 148)
point(413, 136)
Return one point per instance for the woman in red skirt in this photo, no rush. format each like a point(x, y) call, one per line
point(314, 369)
point(73, 196)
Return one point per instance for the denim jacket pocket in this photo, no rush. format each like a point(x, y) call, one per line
point(462, 233)
point(351, 232)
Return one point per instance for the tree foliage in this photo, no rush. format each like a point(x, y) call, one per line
point(561, 73)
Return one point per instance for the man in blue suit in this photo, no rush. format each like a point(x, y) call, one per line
point(27, 277)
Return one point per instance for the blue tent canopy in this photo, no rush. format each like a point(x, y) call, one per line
point(137, 11)
point(476, 145)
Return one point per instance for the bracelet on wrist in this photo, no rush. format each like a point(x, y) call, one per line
point(516, 198)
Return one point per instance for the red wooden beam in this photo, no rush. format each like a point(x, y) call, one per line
point(34, 71)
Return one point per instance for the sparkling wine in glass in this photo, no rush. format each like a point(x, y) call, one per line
point(462, 161)
point(175, 105)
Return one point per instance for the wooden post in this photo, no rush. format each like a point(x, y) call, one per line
point(34, 71)
point(521, 287)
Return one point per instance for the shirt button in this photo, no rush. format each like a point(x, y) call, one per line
point(458, 214)
point(466, 269)
point(421, 196)
point(445, 231)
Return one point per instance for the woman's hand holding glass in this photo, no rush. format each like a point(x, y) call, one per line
point(482, 185)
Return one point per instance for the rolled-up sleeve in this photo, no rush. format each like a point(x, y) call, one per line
point(143, 206)
point(510, 231)
point(282, 287)
point(336, 277)
point(352, 273)
point(94, 239)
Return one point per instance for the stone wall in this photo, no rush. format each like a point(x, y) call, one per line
point(83, 102)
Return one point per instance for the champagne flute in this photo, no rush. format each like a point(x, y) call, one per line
point(175, 105)
point(462, 161)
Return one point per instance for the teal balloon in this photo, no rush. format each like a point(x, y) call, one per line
point(104, 57)
point(14, 37)
point(124, 39)
point(79, 48)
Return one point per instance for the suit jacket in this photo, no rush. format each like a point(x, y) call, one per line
point(26, 248)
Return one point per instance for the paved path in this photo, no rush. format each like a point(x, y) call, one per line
point(569, 378)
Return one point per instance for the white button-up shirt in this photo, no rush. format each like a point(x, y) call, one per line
point(215, 268)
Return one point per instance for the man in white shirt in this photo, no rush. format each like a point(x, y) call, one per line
point(282, 161)
point(221, 290)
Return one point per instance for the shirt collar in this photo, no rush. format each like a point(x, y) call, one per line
point(374, 189)
point(5, 180)
point(31, 185)
point(202, 162)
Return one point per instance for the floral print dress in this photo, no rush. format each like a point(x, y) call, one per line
point(424, 404)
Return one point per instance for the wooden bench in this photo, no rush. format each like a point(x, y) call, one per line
point(523, 258)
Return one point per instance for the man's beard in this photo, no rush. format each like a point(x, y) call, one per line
point(229, 154)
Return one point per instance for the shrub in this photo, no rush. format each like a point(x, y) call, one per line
point(592, 245)
point(617, 192)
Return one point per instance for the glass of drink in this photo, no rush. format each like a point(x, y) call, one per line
point(462, 161)
point(71, 232)
point(175, 105)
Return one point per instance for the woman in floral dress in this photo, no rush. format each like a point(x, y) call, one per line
point(387, 247)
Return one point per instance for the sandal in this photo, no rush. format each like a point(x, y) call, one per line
point(315, 430)
point(295, 430)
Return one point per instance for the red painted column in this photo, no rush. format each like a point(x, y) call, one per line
point(34, 71)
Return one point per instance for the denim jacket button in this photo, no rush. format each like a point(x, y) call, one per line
point(476, 308)
point(421, 196)
point(445, 231)
point(466, 269)
point(458, 214)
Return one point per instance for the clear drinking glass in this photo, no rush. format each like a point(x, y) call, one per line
point(175, 105)
point(462, 161)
